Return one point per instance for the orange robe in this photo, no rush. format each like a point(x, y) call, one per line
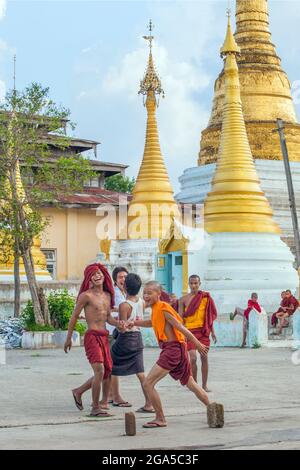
point(174, 356)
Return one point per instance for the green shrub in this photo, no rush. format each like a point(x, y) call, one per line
point(61, 305)
point(28, 321)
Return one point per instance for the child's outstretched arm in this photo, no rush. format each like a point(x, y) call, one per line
point(80, 304)
point(143, 323)
point(175, 323)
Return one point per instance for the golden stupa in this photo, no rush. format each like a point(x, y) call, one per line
point(265, 90)
point(7, 259)
point(236, 202)
point(152, 206)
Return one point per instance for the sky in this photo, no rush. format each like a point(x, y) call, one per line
point(92, 56)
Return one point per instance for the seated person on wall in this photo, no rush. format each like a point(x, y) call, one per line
point(252, 304)
point(282, 308)
point(288, 306)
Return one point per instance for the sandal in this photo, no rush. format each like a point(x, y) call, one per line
point(123, 404)
point(144, 410)
point(153, 424)
point(78, 404)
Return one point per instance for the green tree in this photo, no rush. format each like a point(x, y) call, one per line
point(120, 183)
point(31, 126)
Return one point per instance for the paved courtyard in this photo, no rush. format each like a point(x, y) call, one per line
point(259, 389)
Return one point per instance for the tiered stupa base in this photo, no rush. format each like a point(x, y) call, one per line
point(196, 183)
point(239, 264)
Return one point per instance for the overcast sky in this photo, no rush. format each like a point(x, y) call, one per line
point(92, 56)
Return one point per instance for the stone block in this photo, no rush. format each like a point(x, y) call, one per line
point(215, 415)
point(130, 424)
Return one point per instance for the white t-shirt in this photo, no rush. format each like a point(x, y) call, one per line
point(119, 298)
point(137, 312)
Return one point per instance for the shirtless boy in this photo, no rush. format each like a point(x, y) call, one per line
point(173, 360)
point(96, 297)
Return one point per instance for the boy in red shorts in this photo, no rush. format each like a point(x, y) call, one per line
point(96, 297)
point(173, 359)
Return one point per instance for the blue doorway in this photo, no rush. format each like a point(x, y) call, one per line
point(169, 272)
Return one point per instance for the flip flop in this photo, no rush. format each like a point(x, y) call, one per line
point(77, 403)
point(110, 401)
point(100, 414)
point(143, 410)
point(124, 404)
point(154, 425)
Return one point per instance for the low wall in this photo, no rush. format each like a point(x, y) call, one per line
point(7, 294)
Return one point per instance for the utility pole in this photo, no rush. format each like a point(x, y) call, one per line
point(292, 200)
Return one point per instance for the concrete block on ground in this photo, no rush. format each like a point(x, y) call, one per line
point(215, 415)
point(130, 424)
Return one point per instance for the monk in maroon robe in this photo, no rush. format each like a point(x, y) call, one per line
point(287, 308)
point(199, 312)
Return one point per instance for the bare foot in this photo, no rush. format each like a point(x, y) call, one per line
point(206, 389)
point(103, 405)
point(243, 346)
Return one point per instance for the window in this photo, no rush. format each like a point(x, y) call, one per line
point(178, 260)
point(51, 262)
point(161, 262)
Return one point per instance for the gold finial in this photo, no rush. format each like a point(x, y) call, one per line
point(150, 37)
point(151, 81)
point(230, 45)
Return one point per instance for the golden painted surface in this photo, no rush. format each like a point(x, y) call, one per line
point(39, 258)
point(152, 191)
point(265, 90)
point(236, 202)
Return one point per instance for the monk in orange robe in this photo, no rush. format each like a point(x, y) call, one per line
point(171, 335)
point(199, 312)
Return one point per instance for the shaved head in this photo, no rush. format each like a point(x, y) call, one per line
point(153, 285)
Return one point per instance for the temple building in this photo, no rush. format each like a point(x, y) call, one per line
point(266, 96)
point(246, 253)
point(143, 244)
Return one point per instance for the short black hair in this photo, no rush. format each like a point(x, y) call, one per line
point(194, 276)
point(254, 293)
point(116, 271)
point(133, 283)
point(288, 290)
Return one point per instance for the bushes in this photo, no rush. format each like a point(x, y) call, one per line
point(61, 305)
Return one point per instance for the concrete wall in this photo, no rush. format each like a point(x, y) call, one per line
point(7, 294)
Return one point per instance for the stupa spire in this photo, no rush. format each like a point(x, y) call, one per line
point(236, 202)
point(153, 185)
point(265, 89)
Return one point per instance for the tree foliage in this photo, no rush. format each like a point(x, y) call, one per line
point(33, 143)
point(120, 183)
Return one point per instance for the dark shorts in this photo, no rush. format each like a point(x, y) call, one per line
point(127, 354)
point(174, 358)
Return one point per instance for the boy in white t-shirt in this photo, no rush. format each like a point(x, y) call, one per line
point(127, 351)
